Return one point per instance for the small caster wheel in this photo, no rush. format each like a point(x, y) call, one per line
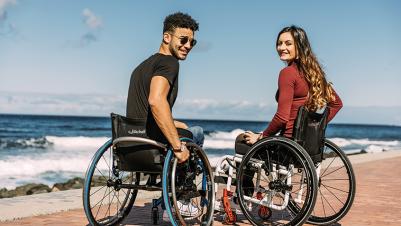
point(227, 220)
point(264, 213)
point(155, 215)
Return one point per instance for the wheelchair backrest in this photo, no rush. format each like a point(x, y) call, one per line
point(126, 127)
point(309, 131)
point(134, 155)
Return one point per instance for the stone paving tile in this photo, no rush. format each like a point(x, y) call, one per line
point(377, 201)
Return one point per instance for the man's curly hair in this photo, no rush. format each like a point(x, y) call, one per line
point(179, 20)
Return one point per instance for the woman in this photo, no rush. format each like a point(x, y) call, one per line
point(301, 83)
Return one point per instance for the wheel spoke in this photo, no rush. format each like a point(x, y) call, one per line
point(321, 195)
point(333, 171)
point(334, 194)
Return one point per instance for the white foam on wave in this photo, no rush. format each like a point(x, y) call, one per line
point(23, 166)
point(342, 142)
point(367, 145)
point(77, 142)
point(221, 140)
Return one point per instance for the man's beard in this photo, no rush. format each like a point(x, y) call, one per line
point(174, 52)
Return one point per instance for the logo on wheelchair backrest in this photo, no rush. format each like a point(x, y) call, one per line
point(136, 131)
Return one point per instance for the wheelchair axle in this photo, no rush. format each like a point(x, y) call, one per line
point(278, 185)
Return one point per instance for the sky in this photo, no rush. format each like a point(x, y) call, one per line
point(76, 57)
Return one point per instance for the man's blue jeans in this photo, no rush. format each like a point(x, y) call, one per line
point(197, 132)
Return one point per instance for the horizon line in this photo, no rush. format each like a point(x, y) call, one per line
point(201, 119)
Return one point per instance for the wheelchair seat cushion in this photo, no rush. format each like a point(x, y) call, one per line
point(241, 147)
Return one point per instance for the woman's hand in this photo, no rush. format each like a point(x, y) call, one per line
point(251, 138)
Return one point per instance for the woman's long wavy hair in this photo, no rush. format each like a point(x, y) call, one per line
point(320, 91)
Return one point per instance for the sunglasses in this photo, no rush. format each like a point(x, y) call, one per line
point(185, 39)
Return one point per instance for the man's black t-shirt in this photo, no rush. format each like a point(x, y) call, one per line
point(138, 93)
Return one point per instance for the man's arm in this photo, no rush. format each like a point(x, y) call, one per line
point(159, 88)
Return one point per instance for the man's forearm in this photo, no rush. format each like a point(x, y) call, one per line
point(163, 117)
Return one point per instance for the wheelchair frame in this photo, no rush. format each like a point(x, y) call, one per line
point(227, 164)
point(115, 183)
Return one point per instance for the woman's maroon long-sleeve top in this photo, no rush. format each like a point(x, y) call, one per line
point(292, 94)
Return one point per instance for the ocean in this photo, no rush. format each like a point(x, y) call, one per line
point(53, 149)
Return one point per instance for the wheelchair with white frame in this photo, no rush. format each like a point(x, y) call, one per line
point(281, 181)
point(131, 162)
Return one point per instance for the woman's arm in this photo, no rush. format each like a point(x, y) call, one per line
point(334, 106)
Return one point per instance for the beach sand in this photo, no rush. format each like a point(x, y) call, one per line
point(377, 200)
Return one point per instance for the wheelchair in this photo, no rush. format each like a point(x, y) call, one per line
point(282, 181)
point(131, 163)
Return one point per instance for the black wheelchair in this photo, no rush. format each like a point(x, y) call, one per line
point(131, 162)
point(281, 181)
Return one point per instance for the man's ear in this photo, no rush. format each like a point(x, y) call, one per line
point(166, 38)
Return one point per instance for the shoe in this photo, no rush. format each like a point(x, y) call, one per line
point(187, 209)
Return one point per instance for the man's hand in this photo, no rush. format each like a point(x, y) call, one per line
point(179, 124)
point(182, 154)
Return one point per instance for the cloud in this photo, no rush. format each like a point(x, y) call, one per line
point(5, 3)
point(6, 28)
point(91, 20)
point(86, 39)
point(94, 25)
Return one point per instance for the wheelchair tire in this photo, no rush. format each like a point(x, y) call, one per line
point(284, 173)
point(189, 184)
point(105, 203)
point(336, 189)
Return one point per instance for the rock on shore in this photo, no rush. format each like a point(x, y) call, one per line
point(30, 189)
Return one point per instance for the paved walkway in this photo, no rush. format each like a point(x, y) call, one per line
point(377, 200)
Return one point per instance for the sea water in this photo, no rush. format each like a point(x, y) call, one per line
point(52, 149)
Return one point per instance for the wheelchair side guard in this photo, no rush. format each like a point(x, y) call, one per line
point(137, 140)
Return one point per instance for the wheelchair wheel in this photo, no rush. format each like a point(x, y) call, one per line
point(336, 189)
point(188, 190)
point(105, 201)
point(274, 173)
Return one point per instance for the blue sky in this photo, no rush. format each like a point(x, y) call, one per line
point(76, 57)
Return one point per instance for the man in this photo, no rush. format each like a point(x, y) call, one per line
point(154, 85)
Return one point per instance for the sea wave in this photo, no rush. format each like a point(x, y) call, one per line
point(68, 155)
point(214, 140)
point(26, 166)
point(41, 142)
point(79, 141)
point(366, 145)
point(221, 139)
point(53, 141)
point(342, 142)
